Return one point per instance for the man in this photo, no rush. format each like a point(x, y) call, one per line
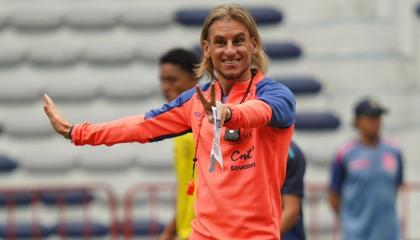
point(240, 151)
point(176, 76)
point(292, 193)
point(366, 174)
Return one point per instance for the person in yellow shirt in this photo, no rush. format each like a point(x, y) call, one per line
point(176, 76)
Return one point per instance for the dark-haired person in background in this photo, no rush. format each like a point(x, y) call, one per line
point(366, 174)
point(177, 76)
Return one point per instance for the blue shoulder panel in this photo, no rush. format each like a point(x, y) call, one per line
point(177, 102)
point(281, 101)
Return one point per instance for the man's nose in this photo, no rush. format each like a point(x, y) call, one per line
point(230, 49)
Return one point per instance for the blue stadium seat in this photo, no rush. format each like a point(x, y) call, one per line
point(17, 198)
point(81, 229)
point(317, 121)
point(24, 231)
point(71, 197)
point(144, 228)
point(301, 85)
point(196, 17)
point(7, 164)
point(282, 50)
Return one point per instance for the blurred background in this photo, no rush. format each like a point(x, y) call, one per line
point(98, 59)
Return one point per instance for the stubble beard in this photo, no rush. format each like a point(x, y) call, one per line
point(233, 77)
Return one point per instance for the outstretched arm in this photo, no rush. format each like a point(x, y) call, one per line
point(58, 122)
point(165, 122)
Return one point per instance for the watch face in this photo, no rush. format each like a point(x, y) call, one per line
point(232, 135)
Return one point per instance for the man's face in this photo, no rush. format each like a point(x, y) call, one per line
point(174, 80)
point(369, 126)
point(230, 48)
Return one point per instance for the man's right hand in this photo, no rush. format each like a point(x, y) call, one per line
point(58, 122)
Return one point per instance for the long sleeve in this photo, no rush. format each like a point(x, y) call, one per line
point(168, 121)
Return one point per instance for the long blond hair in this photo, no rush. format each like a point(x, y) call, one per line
point(235, 12)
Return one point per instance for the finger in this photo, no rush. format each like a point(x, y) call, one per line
point(201, 97)
point(48, 105)
point(220, 113)
point(213, 94)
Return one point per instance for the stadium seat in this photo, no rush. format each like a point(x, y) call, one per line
point(143, 228)
point(301, 85)
point(53, 55)
point(34, 19)
point(67, 197)
point(90, 19)
point(108, 54)
point(11, 55)
point(46, 156)
point(129, 87)
point(196, 17)
point(16, 122)
point(150, 49)
point(80, 230)
point(156, 155)
point(282, 50)
point(316, 121)
point(7, 164)
point(102, 158)
point(20, 89)
point(69, 88)
point(15, 198)
point(2, 20)
point(24, 231)
point(146, 18)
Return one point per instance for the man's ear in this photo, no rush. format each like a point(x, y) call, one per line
point(255, 46)
point(205, 47)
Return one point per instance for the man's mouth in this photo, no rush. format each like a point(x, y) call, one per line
point(231, 61)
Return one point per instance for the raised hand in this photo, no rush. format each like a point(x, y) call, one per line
point(58, 122)
point(223, 112)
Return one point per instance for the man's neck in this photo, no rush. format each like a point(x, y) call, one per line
point(370, 141)
point(227, 84)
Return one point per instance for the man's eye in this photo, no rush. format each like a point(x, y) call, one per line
point(239, 40)
point(218, 42)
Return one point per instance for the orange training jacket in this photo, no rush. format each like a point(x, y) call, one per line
point(243, 200)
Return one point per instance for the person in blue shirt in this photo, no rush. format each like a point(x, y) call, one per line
point(292, 194)
point(366, 175)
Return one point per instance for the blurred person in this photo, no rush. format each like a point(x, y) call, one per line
point(366, 175)
point(240, 151)
point(176, 76)
point(292, 193)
